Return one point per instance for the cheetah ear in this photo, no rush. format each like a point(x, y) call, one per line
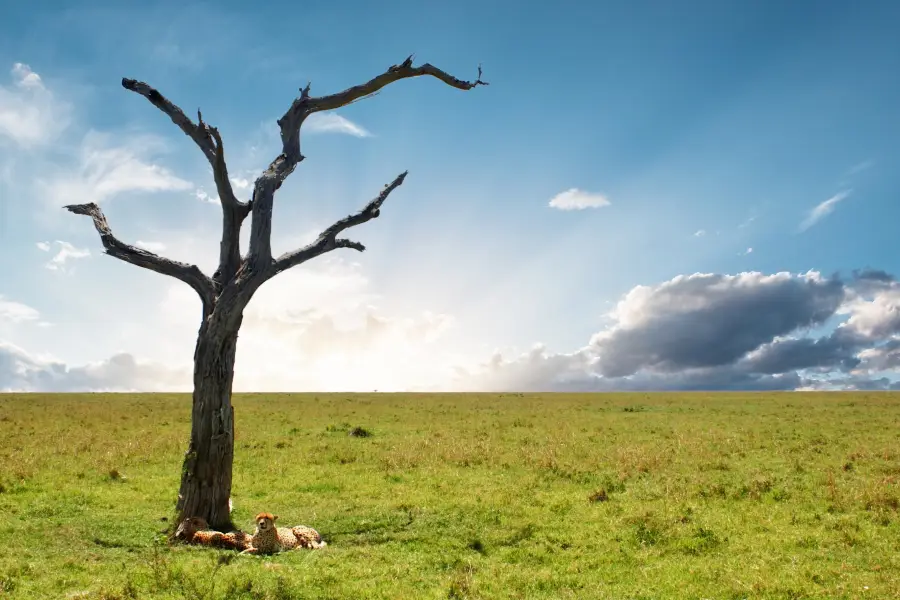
point(275, 518)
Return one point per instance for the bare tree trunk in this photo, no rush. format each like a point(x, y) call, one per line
point(206, 473)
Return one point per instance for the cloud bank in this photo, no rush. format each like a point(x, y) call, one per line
point(747, 331)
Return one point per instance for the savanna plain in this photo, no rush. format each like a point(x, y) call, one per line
point(689, 495)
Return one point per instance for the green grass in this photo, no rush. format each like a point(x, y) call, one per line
point(722, 496)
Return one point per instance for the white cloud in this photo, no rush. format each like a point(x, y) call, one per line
point(860, 167)
point(319, 327)
point(66, 252)
point(700, 233)
point(240, 183)
point(877, 316)
point(16, 312)
point(823, 209)
point(156, 247)
point(30, 115)
point(44, 246)
point(575, 199)
point(105, 170)
point(21, 370)
point(26, 78)
point(202, 196)
point(327, 122)
point(316, 328)
point(747, 251)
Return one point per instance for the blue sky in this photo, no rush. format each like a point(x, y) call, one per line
point(706, 129)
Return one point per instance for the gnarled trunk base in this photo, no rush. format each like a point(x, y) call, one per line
point(206, 473)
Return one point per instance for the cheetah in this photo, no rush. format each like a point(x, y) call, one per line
point(195, 530)
point(269, 539)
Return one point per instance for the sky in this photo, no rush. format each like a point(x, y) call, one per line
point(648, 195)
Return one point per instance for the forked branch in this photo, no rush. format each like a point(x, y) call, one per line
point(210, 143)
point(305, 105)
point(328, 239)
point(190, 274)
point(285, 163)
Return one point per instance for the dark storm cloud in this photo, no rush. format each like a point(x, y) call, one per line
point(873, 275)
point(869, 281)
point(711, 320)
point(725, 332)
point(852, 383)
point(835, 351)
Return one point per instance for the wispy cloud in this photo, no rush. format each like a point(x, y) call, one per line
point(202, 196)
point(16, 312)
point(860, 167)
point(575, 199)
point(747, 223)
point(66, 253)
point(823, 209)
point(240, 183)
point(700, 233)
point(150, 246)
point(105, 170)
point(746, 252)
point(334, 123)
point(30, 115)
point(851, 174)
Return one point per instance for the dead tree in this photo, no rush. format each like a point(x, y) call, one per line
point(207, 470)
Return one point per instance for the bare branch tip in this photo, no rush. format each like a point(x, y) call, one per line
point(82, 209)
point(478, 80)
point(345, 243)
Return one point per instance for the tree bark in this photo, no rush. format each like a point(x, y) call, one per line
point(206, 474)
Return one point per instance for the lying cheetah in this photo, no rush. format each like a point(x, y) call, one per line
point(269, 539)
point(195, 530)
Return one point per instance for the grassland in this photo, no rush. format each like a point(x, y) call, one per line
point(465, 496)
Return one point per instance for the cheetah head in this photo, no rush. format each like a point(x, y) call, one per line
point(265, 521)
point(189, 527)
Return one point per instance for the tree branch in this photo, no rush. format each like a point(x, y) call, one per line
point(190, 274)
point(210, 143)
point(197, 133)
point(328, 239)
point(233, 213)
point(273, 177)
point(404, 70)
